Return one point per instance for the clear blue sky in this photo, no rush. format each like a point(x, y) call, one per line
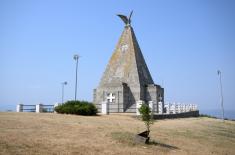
point(184, 43)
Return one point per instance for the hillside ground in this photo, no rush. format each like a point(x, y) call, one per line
point(32, 133)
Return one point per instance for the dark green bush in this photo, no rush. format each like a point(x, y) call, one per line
point(77, 108)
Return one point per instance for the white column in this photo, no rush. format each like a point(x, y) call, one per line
point(39, 108)
point(160, 107)
point(19, 108)
point(152, 107)
point(190, 107)
point(187, 108)
point(181, 108)
point(194, 107)
point(167, 108)
point(170, 106)
point(105, 108)
point(173, 108)
point(138, 105)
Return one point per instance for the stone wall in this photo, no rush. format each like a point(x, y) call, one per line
point(119, 97)
point(178, 115)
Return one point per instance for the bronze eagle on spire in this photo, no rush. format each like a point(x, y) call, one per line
point(125, 19)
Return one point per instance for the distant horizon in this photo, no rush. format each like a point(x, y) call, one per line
point(228, 113)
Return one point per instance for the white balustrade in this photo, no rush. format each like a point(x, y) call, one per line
point(175, 108)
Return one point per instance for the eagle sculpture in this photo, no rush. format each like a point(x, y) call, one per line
point(126, 20)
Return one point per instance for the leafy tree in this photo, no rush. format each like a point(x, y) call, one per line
point(146, 116)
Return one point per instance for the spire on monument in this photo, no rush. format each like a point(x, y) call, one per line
point(127, 64)
point(125, 19)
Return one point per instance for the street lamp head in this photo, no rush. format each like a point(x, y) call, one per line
point(76, 57)
point(64, 83)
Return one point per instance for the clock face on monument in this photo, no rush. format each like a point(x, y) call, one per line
point(124, 48)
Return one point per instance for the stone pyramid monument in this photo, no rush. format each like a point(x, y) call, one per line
point(127, 79)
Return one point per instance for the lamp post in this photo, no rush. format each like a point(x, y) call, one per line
point(76, 57)
point(221, 93)
point(63, 84)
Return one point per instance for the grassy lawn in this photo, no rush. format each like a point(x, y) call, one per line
point(31, 133)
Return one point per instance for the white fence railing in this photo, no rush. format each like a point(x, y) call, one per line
point(175, 108)
point(36, 108)
point(169, 108)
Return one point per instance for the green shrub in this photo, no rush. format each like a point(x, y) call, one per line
point(77, 108)
point(146, 117)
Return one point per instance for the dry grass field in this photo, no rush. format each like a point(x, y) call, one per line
point(31, 133)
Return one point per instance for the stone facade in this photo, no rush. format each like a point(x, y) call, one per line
point(127, 79)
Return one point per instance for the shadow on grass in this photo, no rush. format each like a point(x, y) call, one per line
point(153, 142)
point(128, 138)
